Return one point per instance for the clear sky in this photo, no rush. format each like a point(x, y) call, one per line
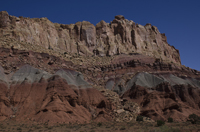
point(178, 19)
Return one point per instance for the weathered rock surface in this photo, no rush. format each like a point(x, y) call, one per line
point(12, 59)
point(177, 99)
point(128, 69)
point(121, 36)
point(120, 76)
point(33, 94)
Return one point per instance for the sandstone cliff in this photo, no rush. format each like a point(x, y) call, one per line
point(121, 36)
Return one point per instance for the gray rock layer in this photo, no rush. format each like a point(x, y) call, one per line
point(148, 80)
point(32, 75)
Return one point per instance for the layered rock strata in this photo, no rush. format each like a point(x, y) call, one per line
point(125, 65)
point(125, 77)
point(63, 97)
point(121, 36)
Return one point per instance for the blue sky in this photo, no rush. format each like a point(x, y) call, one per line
point(178, 19)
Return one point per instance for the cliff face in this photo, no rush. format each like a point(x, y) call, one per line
point(128, 68)
point(121, 36)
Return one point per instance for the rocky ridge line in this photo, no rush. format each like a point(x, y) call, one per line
point(121, 36)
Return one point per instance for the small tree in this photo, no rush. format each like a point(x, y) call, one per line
point(194, 118)
point(170, 120)
point(139, 118)
point(160, 123)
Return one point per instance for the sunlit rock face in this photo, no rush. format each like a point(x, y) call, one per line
point(121, 36)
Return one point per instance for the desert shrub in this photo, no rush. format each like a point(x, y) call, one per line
point(30, 130)
point(2, 126)
point(139, 118)
point(99, 124)
point(170, 120)
point(19, 129)
point(123, 128)
point(194, 118)
point(160, 123)
point(50, 127)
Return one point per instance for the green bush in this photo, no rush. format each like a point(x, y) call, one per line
point(139, 118)
point(160, 123)
point(194, 118)
point(170, 120)
point(99, 124)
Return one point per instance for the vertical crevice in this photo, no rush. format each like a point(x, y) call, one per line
point(133, 38)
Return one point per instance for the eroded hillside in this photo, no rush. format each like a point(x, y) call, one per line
point(80, 72)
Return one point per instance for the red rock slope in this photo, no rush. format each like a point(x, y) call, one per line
point(33, 94)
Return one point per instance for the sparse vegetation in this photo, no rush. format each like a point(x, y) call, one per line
point(160, 122)
point(139, 118)
point(105, 127)
point(19, 129)
point(99, 124)
point(123, 128)
point(194, 119)
point(30, 130)
point(2, 126)
point(50, 127)
point(170, 120)
point(165, 128)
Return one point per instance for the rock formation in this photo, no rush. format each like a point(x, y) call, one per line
point(33, 94)
point(164, 96)
point(121, 36)
point(76, 73)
